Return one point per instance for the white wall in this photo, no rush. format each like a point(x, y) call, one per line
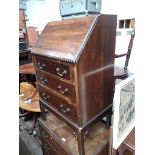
point(40, 12)
point(124, 9)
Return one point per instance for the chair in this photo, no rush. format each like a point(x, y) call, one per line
point(122, 72)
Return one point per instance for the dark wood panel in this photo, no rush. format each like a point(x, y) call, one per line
point(64, 39)
point(95, 69)
point(49, 149)
point(46, 137)
point(50, 152)
point(65, 108)
point(55, 68)
point(42, 64)
point(105, 150)
point(45, 152)
point(64, 88)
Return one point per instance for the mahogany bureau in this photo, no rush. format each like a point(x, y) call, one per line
point(74, 61)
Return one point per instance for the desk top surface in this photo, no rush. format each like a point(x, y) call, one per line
point(31, 106)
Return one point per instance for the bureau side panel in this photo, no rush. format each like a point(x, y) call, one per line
point(95, 69)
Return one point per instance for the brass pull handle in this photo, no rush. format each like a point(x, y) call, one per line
point(47, 147)
point(41, 65)
point(85, 133)
point(44, 134)
point(75, 134)
point(62, 91)
point(61, 74)
point(46, 97)
point(65, 110)
point(43, 80)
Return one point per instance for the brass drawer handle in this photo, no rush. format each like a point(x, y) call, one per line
point(46, 97)
point(62, 91)
point(43, 80)
point(61, 74)
point(41, 65)
point(47, 147)
point(65, 110)
point(75, 134)
point(44, 134)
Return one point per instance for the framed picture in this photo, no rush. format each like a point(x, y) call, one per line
point(123, 110)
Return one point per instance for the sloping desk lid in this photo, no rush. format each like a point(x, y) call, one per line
point(65, 39)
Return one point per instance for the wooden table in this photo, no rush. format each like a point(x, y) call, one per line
point(29, 101)
point(31, 105)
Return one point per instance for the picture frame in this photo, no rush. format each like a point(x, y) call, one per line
point(123, 110)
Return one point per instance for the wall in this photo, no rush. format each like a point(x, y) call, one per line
point(124, 9)
point(39, 12)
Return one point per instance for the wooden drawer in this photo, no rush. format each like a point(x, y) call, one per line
point(96, 138)
point(65, 108)
point(47, 150)
point(64, 88)
point(55, 68)
point(50, 144)
point(52, 149)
